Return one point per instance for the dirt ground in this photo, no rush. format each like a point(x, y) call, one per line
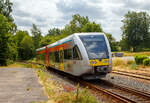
point(20, 85)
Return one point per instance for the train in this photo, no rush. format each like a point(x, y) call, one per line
point(85, 55)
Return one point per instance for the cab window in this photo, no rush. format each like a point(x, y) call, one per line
point(76, 53)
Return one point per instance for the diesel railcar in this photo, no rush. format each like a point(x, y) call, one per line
point(87, 55)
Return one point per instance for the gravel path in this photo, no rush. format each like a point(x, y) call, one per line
point(20, 85)
point(139, 84)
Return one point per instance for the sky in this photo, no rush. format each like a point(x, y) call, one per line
point(48, 14)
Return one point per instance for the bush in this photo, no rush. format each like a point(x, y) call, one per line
point(146, 62)
point(134, 67)
point(139, 58)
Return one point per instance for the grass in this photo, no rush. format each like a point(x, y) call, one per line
point(126, 64)
point(136, 53)
point(14, 65)
point(119, 64)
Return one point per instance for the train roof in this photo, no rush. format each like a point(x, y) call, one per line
point(69, 38)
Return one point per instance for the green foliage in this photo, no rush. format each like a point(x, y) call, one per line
point(5, 27)
point(36, 35)
point(136, 29)
point(124, 45)
point(6, 9)
point(91, 27)
point(54, 31)
point(75, 25)
point(113, 44)
point(27, 48)
point(45, 40)
point(134, 66)
point(25, 45)
point(139, 58)
point(13, 53)
point(20, 35)
point(146, 62)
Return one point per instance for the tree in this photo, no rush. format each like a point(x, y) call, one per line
point(6, 9)
point(79, 21)
point(91, 27)
point(5, 27)
point(112, 42)
point(46, 40)
point(20, 35)
point(76, 24)
point(123, 45)
point(54, 31)
point(136, 29)
point(27, 48)
point(36, 35)
point(13, 53)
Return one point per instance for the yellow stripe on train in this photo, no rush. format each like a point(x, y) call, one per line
point(97, 62)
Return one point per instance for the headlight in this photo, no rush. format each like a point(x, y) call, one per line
point(105, 61)
point(95, 62)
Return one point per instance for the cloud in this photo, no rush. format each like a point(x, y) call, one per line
point(47, 14)
point(84, 8)
point(138, 4)
point(23, 22)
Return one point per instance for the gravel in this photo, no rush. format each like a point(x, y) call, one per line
point(139, 84)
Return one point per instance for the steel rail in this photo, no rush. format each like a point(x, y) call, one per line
point(132, 75)
point(111, 95)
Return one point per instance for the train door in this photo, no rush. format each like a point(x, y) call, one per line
point(61, 55)
point(46, 57)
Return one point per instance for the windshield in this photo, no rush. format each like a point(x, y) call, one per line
point(95, 45)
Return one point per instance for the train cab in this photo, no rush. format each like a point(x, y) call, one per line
point(96, 53)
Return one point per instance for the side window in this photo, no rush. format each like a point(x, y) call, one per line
point(43, 57)
point(65, 54)
point(76, 53)
point(68, 54)
point(51, 56)
point(57, 56)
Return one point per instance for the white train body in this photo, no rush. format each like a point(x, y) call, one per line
point(81, 54)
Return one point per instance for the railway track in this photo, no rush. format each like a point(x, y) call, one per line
point(135, 95)
point(135, 75)
point(108, 91)
point(111, 92)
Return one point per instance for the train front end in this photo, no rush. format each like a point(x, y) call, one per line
point(99, 55)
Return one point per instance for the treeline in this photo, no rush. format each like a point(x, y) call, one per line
point(136, 32)
point(20, 45)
